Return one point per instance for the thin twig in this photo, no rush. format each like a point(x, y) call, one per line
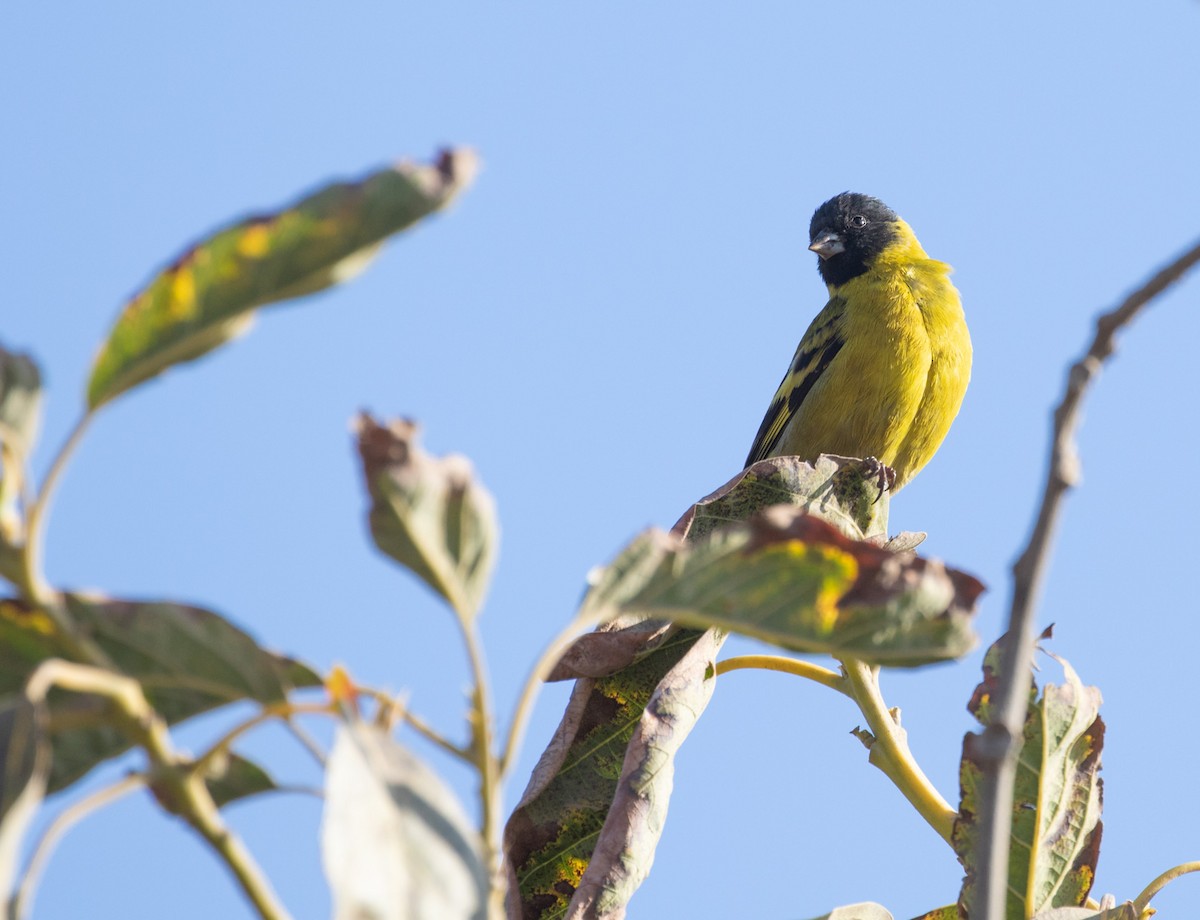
point(483, 754)
point(68, 818)
point(1142, 901)
point(429, 733)
point(282, 710)
point(996, 747)
point(306, 740)
point(533, 682)
point(806, 669)
point(395, 708)
point(170, 773)
point(35, 587)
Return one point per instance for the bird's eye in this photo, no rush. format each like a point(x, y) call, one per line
point(858, 221)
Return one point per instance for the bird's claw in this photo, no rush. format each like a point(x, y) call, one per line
point(885, 476)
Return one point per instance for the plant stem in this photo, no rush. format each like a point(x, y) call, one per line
point(274, 711)
point(172, 776)
point(1142, 901)
point(482, 753)
point(429, 733)
point(890, 751)
point(34, 586)
point(537, 676)
point(31, 580)
point(50, 837)
point(813, 672)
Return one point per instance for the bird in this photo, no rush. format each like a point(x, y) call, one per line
point(881, 371)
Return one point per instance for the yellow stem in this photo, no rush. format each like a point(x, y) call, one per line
point(1142, 901)
point(890, 752)
point(795, 666)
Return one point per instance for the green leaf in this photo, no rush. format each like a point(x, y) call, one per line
point(792, 579)
point(209, 294)
point(395, 841)
point(1056, 827)
point(840, 490)
point(24, 768)
point(584, 834)
point(233, 777)
point(188, 661)
point(430, 514)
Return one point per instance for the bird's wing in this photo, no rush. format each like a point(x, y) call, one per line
point(816, 350)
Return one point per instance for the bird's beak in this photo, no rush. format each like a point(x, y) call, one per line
point(827, 243)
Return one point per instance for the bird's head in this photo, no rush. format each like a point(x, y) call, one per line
point(848, 232)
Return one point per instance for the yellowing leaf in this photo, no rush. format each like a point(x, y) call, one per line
point(209, 294)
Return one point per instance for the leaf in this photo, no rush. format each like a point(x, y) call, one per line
point(429, 514)
point(188, 661)
point(949, 912)
point(395, 841)
point(840, 490)
point(583, 836)
point(208, 295)
point(863, 911)
point(24, 768)
point(234, 777)
point(584, 832)
point(1124, 911)
point(20, 402)
point(1056, 801)
point(792, 579)
point(20, 413)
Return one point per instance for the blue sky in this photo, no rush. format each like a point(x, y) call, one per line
point(599, 324)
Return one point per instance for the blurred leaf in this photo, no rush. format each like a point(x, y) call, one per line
point(20, 402)
point(429, 514)
point(24, 767)
point(233, 777)
point(864, 911)
point(208, 295)
point(792, 579)
point(1056, 802)
point(188, 661)
point(396, 843)
point(20, 412)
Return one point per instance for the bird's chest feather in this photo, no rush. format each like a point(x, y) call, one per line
point(874, 387)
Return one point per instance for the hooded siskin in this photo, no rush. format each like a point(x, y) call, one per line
point(882, 370)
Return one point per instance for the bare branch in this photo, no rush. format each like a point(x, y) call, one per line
point(996, 747)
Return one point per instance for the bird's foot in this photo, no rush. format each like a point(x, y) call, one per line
point(885, 475)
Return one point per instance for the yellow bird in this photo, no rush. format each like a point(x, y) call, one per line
point(882, 370)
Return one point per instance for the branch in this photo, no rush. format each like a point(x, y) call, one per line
point(68, 818)
point(189, 797)
point(996, 746)
point(889, 749)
